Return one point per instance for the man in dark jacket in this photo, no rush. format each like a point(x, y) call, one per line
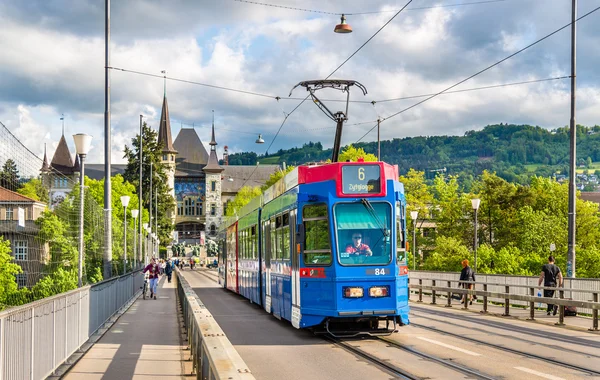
point(467, 274)
point(169, 270)
point(551, 276)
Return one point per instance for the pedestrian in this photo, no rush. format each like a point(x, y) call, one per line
point(169, 270)
point(163, 265)
point(551, 276)
point(153, 270)
point(467, 274)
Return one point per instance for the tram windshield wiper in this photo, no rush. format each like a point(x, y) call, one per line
point(365, 202)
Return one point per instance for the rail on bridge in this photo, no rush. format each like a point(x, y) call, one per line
point(36, 338)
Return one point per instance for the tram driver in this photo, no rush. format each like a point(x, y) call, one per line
point(357, 247)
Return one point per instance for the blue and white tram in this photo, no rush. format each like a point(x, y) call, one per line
point(324, 248)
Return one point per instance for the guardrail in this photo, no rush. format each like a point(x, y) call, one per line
point(213, 355)
point(507, 294)
point(36, 338)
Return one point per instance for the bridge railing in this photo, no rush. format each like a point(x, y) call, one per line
point(36, 338)
point(512, 290)
point(213, 355)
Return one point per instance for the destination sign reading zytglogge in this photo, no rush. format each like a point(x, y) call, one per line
point(361, 179)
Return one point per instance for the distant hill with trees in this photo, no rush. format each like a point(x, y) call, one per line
point(514, 152)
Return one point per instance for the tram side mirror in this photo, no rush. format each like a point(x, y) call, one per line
point(300, 238)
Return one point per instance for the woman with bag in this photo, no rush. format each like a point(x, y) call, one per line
point(467, 274)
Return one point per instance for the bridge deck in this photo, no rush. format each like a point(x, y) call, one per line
point(144, 343)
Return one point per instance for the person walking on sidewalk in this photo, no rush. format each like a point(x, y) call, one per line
point(467, 274)
point(551, 276)
point(153, 269)
point(169, 270)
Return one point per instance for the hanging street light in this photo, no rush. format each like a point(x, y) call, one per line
point(82, 147)
point(343, 27)
point(260, 140)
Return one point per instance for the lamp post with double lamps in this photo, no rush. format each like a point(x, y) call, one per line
point(134, 214)
point(125, 203)
point(475, 203)
point(413, 216)
point(82, 146)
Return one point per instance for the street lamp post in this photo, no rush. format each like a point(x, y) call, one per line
point(475, 203)
point(413, 216)
point(134, 214)
point(125, 203)
point(145, 226)
point(82, 146)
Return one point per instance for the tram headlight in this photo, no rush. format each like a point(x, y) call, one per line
point(379, 291)
point(353, 292)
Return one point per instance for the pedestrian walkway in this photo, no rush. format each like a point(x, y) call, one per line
point(144, 343)
point(578, 323)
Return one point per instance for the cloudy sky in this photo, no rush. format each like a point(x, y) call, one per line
point(52, 63)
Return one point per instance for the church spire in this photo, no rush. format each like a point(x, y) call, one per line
point(213, 162)
point(213, 142)
point(45, 166)
point(164, 130)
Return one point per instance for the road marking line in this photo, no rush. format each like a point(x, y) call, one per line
point(449, 346)
point(540, 374)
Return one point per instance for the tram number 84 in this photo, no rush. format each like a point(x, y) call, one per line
point(378, 271)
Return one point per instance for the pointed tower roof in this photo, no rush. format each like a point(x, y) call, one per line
point(213, 162)
point(62, 160)
point(77, 165)
point(45, 166)
point(164, 130)
point(191, 156)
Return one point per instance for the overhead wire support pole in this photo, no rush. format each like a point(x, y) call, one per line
point(107, 149)
point(571, 266)
point(140, 188)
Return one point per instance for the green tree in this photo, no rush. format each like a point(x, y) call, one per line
point(60, 281)
point(276, 177)
point(447, 255)
point(352, 154)
point(8, 271)
point(244, 196)
point(119, 188)
point(34, 189)
point(9, 177)
point(152, 153)
point(453, 209)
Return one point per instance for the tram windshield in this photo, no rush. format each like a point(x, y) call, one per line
point(363, 233)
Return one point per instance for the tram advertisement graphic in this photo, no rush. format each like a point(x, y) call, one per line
point(361, 179)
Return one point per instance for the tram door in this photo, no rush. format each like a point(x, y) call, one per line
point(267, 263)
point(295, 254)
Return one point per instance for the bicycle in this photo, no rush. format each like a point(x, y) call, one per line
point(145, 289)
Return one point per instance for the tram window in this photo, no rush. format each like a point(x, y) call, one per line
point(273, 257)
point(400, 238)
point(253, 242)
point(317, 249)
point(285, 240)
point(278, 238)
point(363, 234)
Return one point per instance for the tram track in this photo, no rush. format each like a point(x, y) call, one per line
point(523, 340)
point(393, 370)
point(529, 355)
point(447, 363)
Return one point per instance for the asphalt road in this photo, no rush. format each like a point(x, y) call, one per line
point(441, 343)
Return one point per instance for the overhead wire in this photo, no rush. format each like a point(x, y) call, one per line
point(365, 13)
point(480, 71)
point(333, 72)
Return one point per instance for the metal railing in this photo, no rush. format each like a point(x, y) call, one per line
point(36, 338)
point(213, 355)
point(512, 290)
